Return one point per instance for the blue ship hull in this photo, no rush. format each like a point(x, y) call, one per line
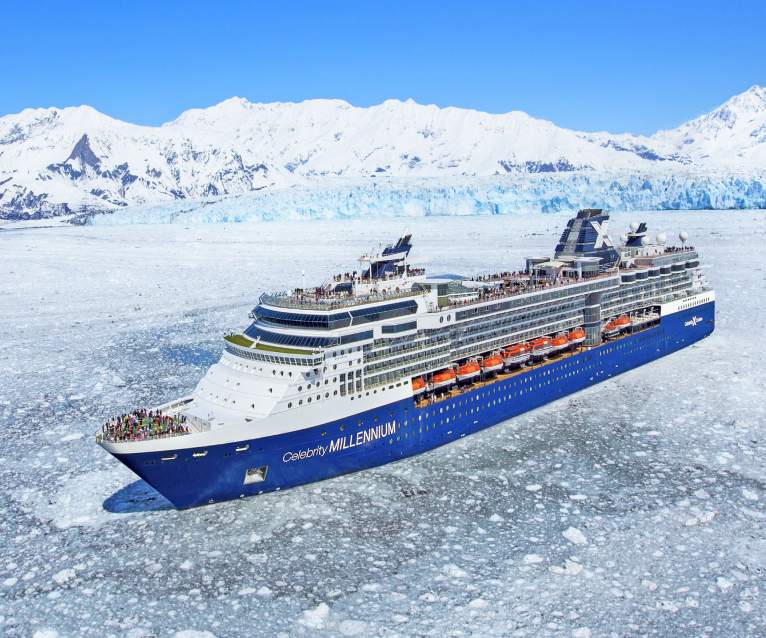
point(398, 430)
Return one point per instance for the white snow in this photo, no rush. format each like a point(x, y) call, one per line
point(235, 147)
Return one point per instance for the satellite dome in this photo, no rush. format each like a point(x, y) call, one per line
point(624, 239)
point(683, 236)
point(634, 226)
point(661, 238)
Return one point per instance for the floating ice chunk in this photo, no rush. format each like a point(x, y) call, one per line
point(569, 568)
point(316, 617)
point(533, 487)
point(533, 559)
point(263, 591)
point(193, 633)
point(667, 605)
point(581, 632)
point(578, 497)
point(63, 576)
point(246, 591)
point(496, 518)
point(117, 381)
point(724, 584)
point(352, 627)
point(453, 571)
point(45, 633)
point(186, 565)
point(478, 603)
point(749, 494)
point(574, 535)
point(71, 437)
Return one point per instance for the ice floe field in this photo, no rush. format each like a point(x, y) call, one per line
point(633, 508)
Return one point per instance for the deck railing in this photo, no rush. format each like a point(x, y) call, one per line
point(330, 301)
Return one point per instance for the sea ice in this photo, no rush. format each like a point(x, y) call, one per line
point(128, 562)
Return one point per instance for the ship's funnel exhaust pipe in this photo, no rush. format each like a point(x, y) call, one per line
point(592, 319)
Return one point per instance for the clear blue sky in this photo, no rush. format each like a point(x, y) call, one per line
point(621, 66)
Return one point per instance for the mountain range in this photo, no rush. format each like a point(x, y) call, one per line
point(77, 160)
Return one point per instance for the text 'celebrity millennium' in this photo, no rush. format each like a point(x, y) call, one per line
point(383, 363)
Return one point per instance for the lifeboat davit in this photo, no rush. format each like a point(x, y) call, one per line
point(576, 336)
point(559, 343)
point(623, 322)
point(611, 329)
point(468, 371)
point(516, 354)
point(418, 385)
point(541, 347)
point(492, 364)
point(443, 379)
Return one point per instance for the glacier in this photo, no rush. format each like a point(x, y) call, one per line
point(530, 194)
point(636, 507)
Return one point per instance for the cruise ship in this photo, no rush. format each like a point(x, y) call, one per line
point(384, 362)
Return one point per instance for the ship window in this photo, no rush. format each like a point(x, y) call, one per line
point(255, 474)
point(172, 457)
point(243, 448)
point(199, 455)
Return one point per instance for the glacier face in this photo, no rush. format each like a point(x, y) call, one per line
point(73, 160)
point(426, 198)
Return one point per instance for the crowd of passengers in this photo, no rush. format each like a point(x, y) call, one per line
point(515, 288)
point(678, 249)
point(143, 424)
point(500, 275)
point(352, 276)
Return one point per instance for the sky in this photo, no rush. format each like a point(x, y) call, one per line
point(619, 66)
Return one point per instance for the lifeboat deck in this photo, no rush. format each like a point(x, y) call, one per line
point(437, 396)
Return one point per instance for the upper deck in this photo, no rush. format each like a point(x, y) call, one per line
point(322, 299)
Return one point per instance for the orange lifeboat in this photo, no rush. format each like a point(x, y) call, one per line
point(468, 371)
point(516, 354)
point(576, 336)
point(611, 329)
point(623, 322)
point(492, 364)
point(418, 385)
point(443, 379)
point(541, 347)
point(559, 343)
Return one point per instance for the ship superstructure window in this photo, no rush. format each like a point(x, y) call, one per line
point(400, 327)
point(256, 474)
point(301, 320)
point(390, 311)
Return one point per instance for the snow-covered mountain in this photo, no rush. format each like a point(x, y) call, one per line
point(56, 161)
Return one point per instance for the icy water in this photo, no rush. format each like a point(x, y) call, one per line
point(633, 508)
